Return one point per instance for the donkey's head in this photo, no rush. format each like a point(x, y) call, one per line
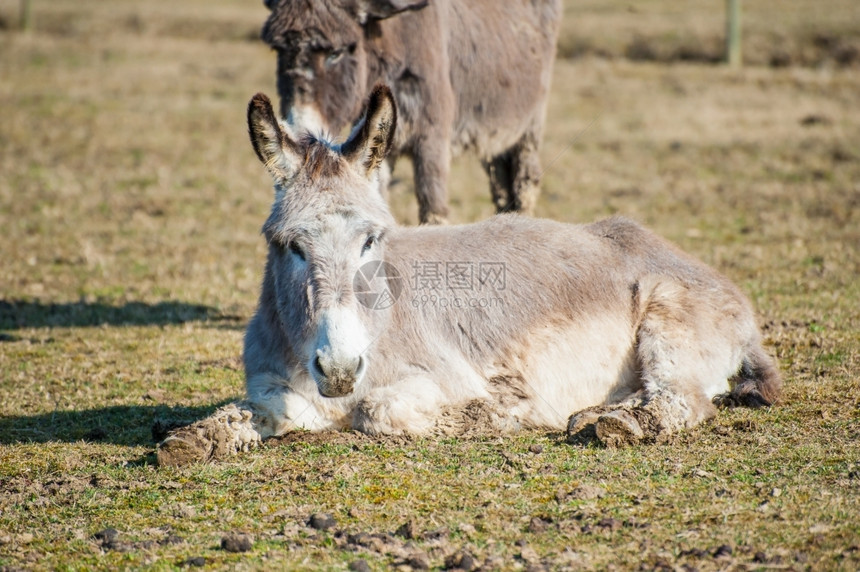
point(327, 221)
point(326, 63)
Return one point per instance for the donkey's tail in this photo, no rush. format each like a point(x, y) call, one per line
point(757, 383)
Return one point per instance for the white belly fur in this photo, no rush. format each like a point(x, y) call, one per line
point(571, 367)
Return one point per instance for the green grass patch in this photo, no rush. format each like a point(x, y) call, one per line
point(131, 205)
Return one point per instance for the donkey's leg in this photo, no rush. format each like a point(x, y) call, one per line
point(682, 358)
point(499, 172)
point(280, 410)
point(410, 406)
point(240, 426)
point(525, 174)
point(226, 432)
point(432, 161)
point(666, 412)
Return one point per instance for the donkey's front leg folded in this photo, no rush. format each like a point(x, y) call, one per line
point(407, 407)
point(280, 410)
point(226, 432)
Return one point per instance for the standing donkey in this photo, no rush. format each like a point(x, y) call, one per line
point(606, 321)
point(469, 74)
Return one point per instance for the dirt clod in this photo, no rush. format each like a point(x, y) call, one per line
point(418, 560)
point(586, 492)
point(527, 553)
point(359, 566)
point(406, 530)
point(321, 521)
point(694, 553)
point(194, 561)
point(460, 560)
point(436, 533)
point(172, 539)
point(359, 538)
point(538, 525)
point(536, 449)
point(379, 543)
point(237, 542)
point(609, 523)
point(107, 535)
point(662, 565)
point(723, 551)
point(109, 539)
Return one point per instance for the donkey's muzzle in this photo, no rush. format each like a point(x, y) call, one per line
point(337, 379)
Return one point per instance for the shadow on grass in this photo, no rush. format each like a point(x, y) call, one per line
point(15, 314)
point(130, 425)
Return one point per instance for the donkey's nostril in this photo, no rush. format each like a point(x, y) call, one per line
point(324, 369)
point(318, 367)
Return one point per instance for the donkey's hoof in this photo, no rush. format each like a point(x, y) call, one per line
point(182, 449)
point(583, 419)
point(725, 401)
point(618, 429)
point(581, 426)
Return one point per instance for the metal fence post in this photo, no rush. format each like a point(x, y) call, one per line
point(733, 33)
point(26, 16)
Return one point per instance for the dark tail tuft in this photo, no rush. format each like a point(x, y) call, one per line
point(757, 384)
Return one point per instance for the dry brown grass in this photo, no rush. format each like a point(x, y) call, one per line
point(130, 207)
point(777, 33)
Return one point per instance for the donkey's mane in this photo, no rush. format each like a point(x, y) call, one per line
point(321, 158)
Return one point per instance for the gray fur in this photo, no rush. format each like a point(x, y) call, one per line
point(606, 321)
point(466, 75)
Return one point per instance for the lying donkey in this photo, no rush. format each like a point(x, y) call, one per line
point(363, 324)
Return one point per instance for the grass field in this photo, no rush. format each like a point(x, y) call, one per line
point(130, 258)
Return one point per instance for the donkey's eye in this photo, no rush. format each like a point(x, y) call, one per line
point(334, 56)
point(368, 244)
point(296, 249)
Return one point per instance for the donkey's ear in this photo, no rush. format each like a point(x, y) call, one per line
point(277, 152)
point(372, 138)
point(382, 9)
